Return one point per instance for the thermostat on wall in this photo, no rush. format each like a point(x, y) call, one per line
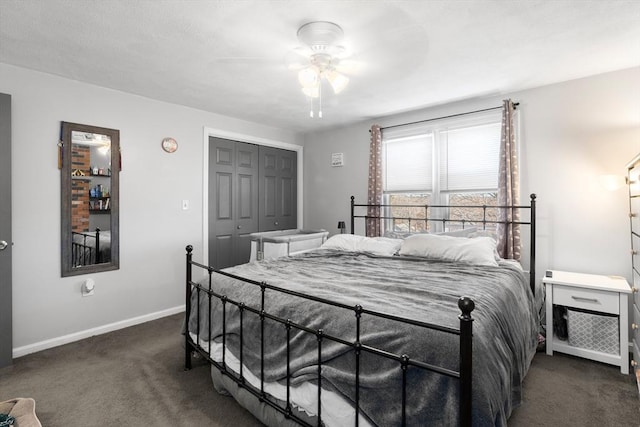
point(337, 159)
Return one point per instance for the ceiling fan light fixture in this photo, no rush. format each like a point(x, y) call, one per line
point(338, 81)
point(321, 40)
point(309, 77)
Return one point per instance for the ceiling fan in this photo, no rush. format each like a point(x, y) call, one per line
point(324, 60)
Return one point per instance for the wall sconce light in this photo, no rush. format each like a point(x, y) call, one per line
point(341, 226)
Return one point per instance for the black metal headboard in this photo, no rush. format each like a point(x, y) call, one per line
point(482, 216)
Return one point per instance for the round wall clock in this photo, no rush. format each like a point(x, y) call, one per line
point(169, 145)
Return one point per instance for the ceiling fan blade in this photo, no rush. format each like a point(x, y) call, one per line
point(303, 51)
point(350, 66)
point(297, 66)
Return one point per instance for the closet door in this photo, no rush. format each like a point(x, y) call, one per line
point(6, 340)
point(278, 189)
point(233, 201)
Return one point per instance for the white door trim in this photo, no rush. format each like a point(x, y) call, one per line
point(234, 136)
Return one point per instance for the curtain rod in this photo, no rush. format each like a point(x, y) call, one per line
point(515, 104)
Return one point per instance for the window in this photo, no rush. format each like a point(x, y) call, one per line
point(445, 162)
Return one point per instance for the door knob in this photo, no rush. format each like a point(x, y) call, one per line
point(3, 244)
point(239, 227)
point(634, 326)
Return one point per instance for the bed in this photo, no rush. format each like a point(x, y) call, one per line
point(90, 247)
point(369, 332)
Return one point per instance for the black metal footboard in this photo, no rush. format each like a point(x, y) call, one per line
point(85, 248)
point(199, 291)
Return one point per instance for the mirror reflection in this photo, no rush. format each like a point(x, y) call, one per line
point(90, 213)
point(89, 199)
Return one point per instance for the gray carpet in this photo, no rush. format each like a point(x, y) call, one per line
point(134, 377)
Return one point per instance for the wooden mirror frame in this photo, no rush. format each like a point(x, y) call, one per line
point(66, 197)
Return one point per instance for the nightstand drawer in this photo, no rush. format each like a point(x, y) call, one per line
point(635, 214)
point(601, 301)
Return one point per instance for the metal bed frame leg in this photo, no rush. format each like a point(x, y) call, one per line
point(466, 305)
point(187, 344)
point(532, 254)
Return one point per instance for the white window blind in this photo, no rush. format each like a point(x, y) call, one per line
point(469, 158)
point(444, 156)
point(408, 163)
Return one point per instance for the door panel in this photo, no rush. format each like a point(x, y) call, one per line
point(289, 194)
point(6, 339)
point(287, 208)
point(245, 199)
point(225, 189)
point(223, 251)
point(233, 201)
point(269, 203)
point(278, 189)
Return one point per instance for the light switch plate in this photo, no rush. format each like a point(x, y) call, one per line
point(185, 205)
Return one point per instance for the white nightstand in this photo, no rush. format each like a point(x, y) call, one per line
point(601, 294)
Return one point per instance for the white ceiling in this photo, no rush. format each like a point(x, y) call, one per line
point(230, 56)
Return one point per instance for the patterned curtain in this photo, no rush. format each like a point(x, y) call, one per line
point(374, 224)
point(508, 187)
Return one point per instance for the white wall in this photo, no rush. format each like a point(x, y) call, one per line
point(572, 132)
point(154, 230)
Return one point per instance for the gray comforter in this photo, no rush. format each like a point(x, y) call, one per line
point(505, 330)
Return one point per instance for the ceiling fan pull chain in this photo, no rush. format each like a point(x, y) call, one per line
point(320, 99)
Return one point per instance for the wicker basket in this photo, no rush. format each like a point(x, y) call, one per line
point(593, 331)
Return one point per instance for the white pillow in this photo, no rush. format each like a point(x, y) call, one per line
point(380, 246)
point(478, 251)
point(489, 234)
point(371, 245)
point(343, 242)
point(465, 232)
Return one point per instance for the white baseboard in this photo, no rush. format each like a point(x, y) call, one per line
point(77, 336)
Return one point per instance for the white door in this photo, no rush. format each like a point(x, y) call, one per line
point(6, 342)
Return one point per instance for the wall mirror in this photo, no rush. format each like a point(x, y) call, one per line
point(90, 165)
